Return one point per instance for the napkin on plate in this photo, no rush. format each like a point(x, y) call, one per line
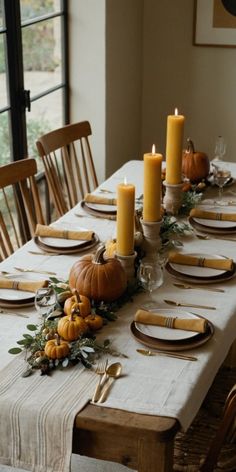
point(28, 286)
point(212, 215)
point(49, 231)
point(186, 259)
point(90, 198)
point(156, 319)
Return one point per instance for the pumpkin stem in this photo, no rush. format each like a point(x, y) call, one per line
point(190, 146)
point(98, 256)
point(58, 339)
point(77, 296)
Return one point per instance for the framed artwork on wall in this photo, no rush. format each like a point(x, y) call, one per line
point(215, 23)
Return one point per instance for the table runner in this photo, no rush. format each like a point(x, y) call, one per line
point(158, 385)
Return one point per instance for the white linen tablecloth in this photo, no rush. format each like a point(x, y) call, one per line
point(37, 412)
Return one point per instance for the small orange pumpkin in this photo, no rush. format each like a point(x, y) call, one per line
point(195, 164)
point(77, 304)
point(71, 327)
point(97, 278)
point(56, 349)
point(110, 248)
point(94, 321)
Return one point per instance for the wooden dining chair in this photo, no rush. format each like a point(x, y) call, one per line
point(227, 429)
point(68, 164)
point(20, 205)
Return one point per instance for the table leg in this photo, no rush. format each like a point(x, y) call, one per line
point(155, 457)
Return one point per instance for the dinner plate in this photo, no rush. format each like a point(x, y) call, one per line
point(111, 209)
point(180, 345)
point(212, 226)
point(69, 249)
point(65, 243)
point(167, 334)
point(197, 274)
point(15, 298)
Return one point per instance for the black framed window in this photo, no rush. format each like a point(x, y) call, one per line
point(33, 73)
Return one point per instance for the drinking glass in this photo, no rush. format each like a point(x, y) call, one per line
point(221, 176)
point(150, 274)
point(220, 148)
point(45, 301)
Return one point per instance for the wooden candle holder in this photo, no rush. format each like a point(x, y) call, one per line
point(151, 238)
point(127, 263)
point(173, 198)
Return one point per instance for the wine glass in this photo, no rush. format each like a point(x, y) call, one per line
point(221, 176)
point(150, 274)
point(45, 301)
point(220, 148)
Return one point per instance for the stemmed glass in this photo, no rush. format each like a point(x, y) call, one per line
point(221, 176)
point(220, 148)
point(150, 274)
point(45, 301)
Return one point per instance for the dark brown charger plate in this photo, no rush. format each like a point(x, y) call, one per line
point(195, 279)
point(63, 250)
point(17, 303)
point(181, 345)
point(211, 230)
point(94, 212)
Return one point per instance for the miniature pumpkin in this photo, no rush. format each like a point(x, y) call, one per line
point(56, 349)
point(97, 278)
point(77, 304)
point(94, 321)
point(195, 164)
point(110, 248)
point(71, 327)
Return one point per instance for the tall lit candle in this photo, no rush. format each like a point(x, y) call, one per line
point(125, 219)
point(174, 148)
point(152, 186)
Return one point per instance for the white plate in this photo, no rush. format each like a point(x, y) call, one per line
point(11, 295)
point(60, 242)
point(215, 223)
point(196, 271)
point(168, 334)
point(102, 208)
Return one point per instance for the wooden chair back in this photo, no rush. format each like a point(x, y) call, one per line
point(68, 164)
point(226, 429)
point(20, 205)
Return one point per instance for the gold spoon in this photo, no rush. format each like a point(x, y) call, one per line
point(192, 305)
point(113, 371)
point(146, 352)
point(21, 269)
point(198, 287)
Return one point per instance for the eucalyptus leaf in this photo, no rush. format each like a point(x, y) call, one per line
point(65, 362)
point(87, 349)
point(32, 327)
point(27, 336)
point(15, 350)
point(27, 373)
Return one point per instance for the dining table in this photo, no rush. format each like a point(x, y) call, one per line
point(44, 418)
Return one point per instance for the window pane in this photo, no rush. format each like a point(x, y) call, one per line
point(34, 8)
point(42, 55)
point(45, 115)
point(4, 139)
point(3, 85)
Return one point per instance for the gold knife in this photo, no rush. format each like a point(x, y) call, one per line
point(199, 287)
point(146, 352)
point(192, 305)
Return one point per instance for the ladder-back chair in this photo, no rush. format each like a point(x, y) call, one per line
point(68, 164)
point(20, 208)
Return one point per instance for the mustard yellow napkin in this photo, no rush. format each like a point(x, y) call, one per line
point(156, 319)
point(28, 286)
point(90, 198)
point(42, 230)
point(212, 215)
point(185, 259)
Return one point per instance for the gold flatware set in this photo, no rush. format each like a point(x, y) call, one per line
point(24, 270)
point(199, 287)
point(147, 352)
point(191, 305)
point(108, 374)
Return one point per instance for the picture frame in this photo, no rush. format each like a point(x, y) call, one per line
point(215, 23)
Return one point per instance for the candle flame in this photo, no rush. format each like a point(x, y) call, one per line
point(153, 149)
point(125, 180)
point(176, 111)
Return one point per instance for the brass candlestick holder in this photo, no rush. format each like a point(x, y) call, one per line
point(151, 238)
point(127, 263)
point(173, 197)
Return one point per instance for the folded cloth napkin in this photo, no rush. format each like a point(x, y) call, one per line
point(91, 198)
point(187, 259)
point(156, 319)
point(42, 230)
point(28, 286)
point(212, 215)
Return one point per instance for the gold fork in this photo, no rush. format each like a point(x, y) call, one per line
point(21, 269)
point(100, 370)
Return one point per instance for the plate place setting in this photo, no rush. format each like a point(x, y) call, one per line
point(200, 267)
point(19, 293)
point(63, 241)
point(218, 220)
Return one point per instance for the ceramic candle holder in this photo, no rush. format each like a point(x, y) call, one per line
point(151, 238)
point(173, 198)
point(127, 263)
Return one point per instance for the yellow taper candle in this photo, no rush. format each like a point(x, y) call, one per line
point(152, 186)
point(125, 219)
point(174, 148)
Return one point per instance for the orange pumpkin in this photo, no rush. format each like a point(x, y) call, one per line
point(110, 248)
point(71, 327)
point(56, 349)
point(77, 304)
point(94, 321)
point(97, 278)
point(195, 164)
